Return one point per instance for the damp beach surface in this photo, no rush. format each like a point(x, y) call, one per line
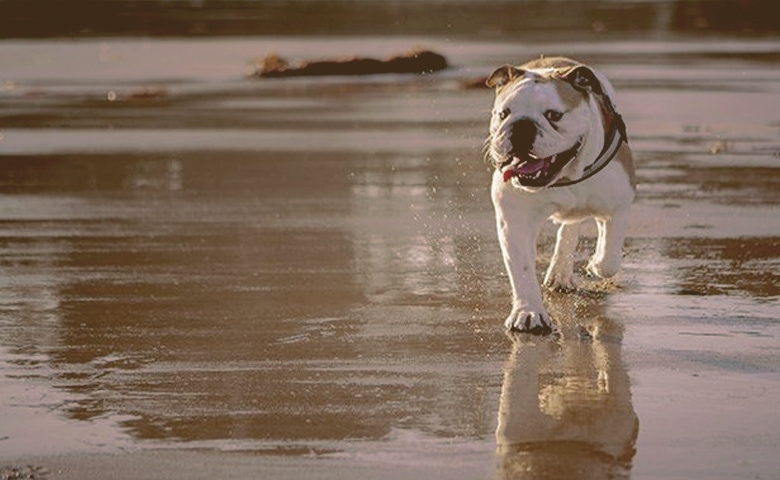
point(205, 275)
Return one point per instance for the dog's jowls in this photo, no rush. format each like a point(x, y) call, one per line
point(560, 152)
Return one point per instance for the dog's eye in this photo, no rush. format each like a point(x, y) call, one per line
point(503, 114)
point(553, 115)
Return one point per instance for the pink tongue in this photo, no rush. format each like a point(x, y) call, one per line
point(529, 167)
point(525, 168)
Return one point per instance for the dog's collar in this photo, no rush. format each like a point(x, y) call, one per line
point(613, 140)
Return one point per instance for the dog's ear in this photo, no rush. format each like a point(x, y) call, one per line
point(584, 79)
point(503, 75)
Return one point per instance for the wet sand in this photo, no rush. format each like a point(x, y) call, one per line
point(293, 279)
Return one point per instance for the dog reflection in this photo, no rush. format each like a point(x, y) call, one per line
point(565, 410)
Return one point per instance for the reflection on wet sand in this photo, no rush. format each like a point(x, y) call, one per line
point(565, 410)
point(230, 303)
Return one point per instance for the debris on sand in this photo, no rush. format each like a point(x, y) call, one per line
point(28, 472)
point(141, 94)
point(415, 61)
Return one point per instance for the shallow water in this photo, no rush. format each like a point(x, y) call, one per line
point(192, 259)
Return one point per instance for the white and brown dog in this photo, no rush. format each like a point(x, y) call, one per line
point(561, 152)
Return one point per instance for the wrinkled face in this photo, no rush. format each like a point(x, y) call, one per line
point(541, 129)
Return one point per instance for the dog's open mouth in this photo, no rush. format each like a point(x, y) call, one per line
point(532, 171)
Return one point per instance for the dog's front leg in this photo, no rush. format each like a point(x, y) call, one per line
point(518, 245)
point(560, 274)
point(605, 262)
point(517, 231)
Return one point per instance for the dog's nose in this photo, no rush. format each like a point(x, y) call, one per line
point(523, 135)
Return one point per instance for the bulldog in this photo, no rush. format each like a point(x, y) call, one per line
point(560, 151)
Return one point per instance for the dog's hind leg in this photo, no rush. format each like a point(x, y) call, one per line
point(605, 262)
point(560, 274)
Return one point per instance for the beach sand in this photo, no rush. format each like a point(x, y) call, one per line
point(235, 278)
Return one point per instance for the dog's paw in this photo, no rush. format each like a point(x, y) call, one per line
point(561, 282)
point(528, 321)
point(602, 268)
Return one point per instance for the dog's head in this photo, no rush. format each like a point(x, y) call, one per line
point(548, 121)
